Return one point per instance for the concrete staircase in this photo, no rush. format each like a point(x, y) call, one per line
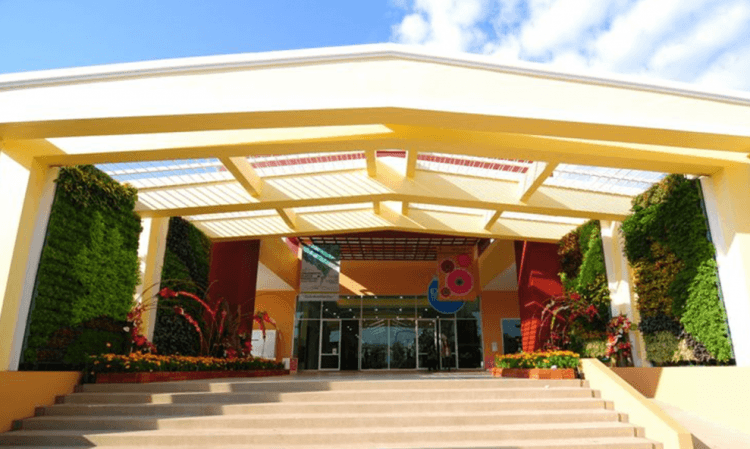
point(304, 413)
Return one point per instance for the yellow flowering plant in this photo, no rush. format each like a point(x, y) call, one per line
point(540, 359)
point(139, 362)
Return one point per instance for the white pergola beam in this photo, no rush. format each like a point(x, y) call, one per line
point(534, 178)
point(357, 187)
point(492, 220)
point(371, 157)
point(289, 217)
point(411, 162)
point(365, 220)
point(244, 173)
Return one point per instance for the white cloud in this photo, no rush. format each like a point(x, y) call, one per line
point(701, 41)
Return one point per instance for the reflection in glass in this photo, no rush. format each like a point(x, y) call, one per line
point(308, 309)
point(380, 308)
point(403, 338)
point(511, 328)
point(329, 344)
point(447, 344)
point(374, 344)
point(427, 344)
point(469, 344)
point(308, 338)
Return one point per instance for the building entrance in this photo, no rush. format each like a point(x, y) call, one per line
point(382, 333)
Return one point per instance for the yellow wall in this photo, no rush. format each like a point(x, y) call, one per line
point(22, 391)
point(496, 305)
point(277, 257)
point(280, 306)
point(495, 259)
point(715, 393)
point(385, 277)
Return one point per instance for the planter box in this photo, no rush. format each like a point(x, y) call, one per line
point(167, 376)
point(535, 373)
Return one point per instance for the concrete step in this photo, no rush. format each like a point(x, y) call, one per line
point(280, 437)
point(292, 385)
point(395, 419)
point(348, 395)
point(573, 443)
point(458, 406)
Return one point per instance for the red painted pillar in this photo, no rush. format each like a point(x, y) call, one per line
point(233, 275)
point(538, 280)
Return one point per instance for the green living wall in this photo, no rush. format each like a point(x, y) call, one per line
point(187, 262)
point(88, 270)
point(667, 243)
point(583, 272)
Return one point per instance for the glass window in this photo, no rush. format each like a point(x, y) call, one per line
point(470, 310)
point(374, 344)
point(511, 328)
point(403, 338)
point(308, 341)
point(390, 307)
point(469, 344)
point(308, 309)
point(343, 308)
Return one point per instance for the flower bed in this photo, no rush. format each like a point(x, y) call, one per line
point(168, 376)
point(138, 367)
point(537, 365)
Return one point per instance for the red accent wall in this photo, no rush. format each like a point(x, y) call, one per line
point(234, 273)
point(538, 280)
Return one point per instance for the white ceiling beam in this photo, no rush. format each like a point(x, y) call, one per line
point(244, 173)
point(537, 173)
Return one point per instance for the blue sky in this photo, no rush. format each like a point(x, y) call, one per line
point(704, 42)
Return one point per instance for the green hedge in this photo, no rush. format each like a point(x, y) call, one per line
point(187, 261)
point(583, 272)
point(667, 244)
point(89, 263)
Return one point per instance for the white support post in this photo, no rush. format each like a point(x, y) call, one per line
point(620, 291)
point(25, 187)
point(151, 248)
point(731, 238)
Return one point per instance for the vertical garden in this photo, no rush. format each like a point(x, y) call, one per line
point(584, 281)
point(187, 261)
point(87, 274)
point(667, 243)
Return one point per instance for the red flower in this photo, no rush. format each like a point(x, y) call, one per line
point(168, 293)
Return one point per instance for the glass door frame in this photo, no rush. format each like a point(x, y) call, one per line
point(320, 346)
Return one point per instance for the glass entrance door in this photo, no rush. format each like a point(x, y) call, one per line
point(403, 344)
point(427, 353)
point(330, 344)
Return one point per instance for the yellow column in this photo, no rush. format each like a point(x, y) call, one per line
point(151, 248)
point(22, 183)
point(728, 209)
point(619, 282)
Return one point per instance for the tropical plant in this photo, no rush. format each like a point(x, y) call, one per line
point(619, 349)
point(558, 315)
